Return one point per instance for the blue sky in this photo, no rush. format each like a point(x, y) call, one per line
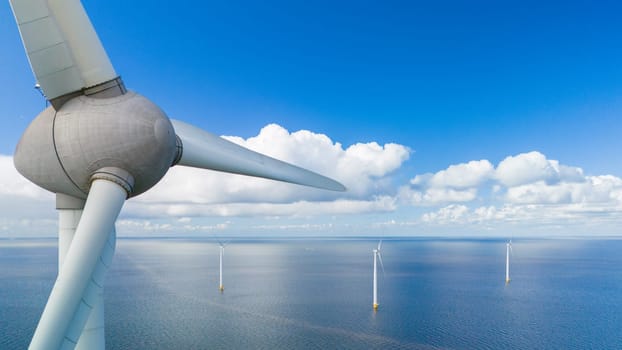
point(450, 81)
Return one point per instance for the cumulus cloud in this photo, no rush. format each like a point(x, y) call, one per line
point(523, 178)
point(532, 167)
point(591, 189)
point(525, 168)
point(465, 175)
point(363, 168)
point(457, 183)
point(524, 189)
point(359, 167)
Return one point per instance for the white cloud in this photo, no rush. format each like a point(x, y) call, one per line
point(523, 178)
point(523, 190)
point(362, 168)
point(435, 196)
point(457, 183)
point(525, 220)
point(524, 168)
point(25, 209)
point(15, 185)
point(532, 167)
point(591, 189)
point(295, 209)
point(540, 192)
point(448, 214)
point(465, 175)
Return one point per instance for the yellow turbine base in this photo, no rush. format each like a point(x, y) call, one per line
point(507, 281)
point(221, 288)
point(375, 306)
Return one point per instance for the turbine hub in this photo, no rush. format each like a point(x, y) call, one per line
point(126, 137)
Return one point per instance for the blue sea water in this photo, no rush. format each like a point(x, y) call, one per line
point(316, 294)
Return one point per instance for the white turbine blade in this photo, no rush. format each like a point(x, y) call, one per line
point(64, 51)
point(379, 245)
point(68, 306)
point(202, 149)
point(381, 264)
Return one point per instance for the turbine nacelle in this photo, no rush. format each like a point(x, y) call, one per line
point(126, 137)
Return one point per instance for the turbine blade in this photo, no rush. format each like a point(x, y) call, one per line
point(75, 289)
point(381, 264)
point(63, 48)
point(379, 245)
point(202, 149)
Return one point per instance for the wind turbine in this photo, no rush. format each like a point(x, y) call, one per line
point(95, 146)
point(221, 286)
point(508, 248)
point(379, 257)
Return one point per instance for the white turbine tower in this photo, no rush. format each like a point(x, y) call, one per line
point(95, 146)
point(377, 256)
point(508, 248)
point(221, 286)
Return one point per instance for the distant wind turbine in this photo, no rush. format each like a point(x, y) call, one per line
point(508, 248)
point(377, 256)
point(221, 286)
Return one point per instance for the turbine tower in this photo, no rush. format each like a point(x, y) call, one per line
point(376, 257)
point(508, 247)
point(95, 146)
point(221, 286)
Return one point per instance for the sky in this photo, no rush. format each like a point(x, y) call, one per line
point(443, 118)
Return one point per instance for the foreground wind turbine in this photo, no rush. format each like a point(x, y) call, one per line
point(97, 145)
point(508, 248)
point(377, 255)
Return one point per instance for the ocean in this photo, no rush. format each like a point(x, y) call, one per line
point(317, 294)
